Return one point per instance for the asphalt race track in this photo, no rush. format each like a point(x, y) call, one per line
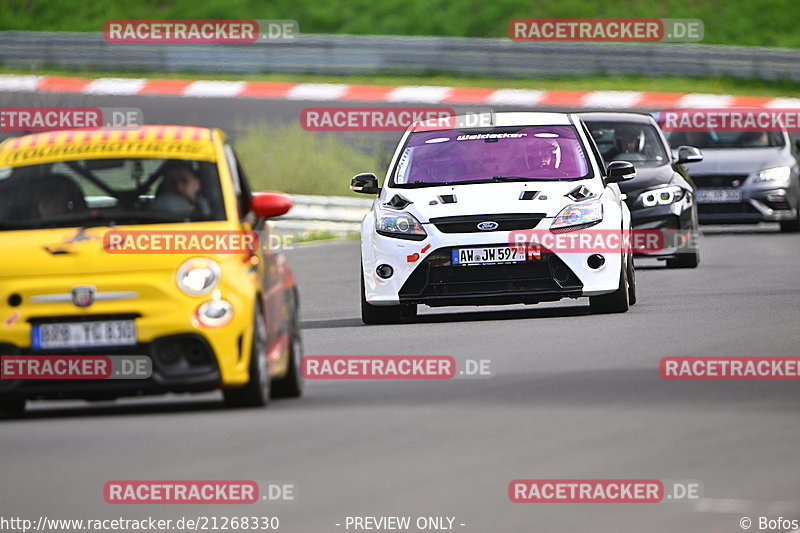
point(572, 396)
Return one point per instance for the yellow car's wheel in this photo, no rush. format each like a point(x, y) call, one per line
point(257, 391)
point(291, 385)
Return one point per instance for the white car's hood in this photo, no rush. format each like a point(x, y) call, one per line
point(491, 198)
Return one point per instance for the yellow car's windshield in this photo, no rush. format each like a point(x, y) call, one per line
point(118, 191)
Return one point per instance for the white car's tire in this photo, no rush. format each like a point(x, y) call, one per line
point(383, 314)
point(615, 302)
point(631, 281)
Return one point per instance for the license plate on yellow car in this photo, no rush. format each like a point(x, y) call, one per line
point(84, 334)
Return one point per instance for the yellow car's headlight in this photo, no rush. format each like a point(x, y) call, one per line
point(215, 313)
point(198, 276)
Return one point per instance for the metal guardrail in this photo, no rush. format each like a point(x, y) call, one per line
point(339, 215)
point(370, 54)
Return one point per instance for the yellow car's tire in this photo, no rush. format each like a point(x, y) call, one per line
point(257, 391)
point(291, 385)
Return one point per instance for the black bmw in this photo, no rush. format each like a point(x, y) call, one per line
point(662, 196)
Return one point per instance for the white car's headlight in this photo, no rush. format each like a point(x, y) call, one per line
point(400, 224)
point(778, 176)
point(198, 276)
point(578, 216)
point(661, 196)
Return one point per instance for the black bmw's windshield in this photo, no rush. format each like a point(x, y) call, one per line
point(629, 141)
point(109, 191)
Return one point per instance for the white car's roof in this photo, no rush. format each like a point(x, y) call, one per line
point(523, 118)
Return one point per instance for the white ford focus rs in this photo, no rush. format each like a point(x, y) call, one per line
point(488, 215)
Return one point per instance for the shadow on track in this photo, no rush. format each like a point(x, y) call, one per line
point(115, 410)
point(461, 316)
point(200, 404)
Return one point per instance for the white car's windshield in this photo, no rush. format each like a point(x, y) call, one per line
point(499, 154)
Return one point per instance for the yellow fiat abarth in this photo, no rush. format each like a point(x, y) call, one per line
point(130, 242)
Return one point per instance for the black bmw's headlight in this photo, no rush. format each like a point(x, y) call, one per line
point(661, 196)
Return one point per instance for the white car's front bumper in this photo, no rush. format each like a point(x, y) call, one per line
point(423, 273)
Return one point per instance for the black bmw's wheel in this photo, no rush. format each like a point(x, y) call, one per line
point(685, 260)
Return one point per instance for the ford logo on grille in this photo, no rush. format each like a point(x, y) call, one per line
point(487, 225)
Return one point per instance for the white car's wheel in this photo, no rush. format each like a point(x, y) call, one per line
point(615, 302)
point(383, 314)
point(631, 281)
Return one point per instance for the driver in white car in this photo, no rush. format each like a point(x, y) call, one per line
point(543, 154)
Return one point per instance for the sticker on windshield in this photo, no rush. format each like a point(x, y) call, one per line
point(437, 140)
point(482, 136)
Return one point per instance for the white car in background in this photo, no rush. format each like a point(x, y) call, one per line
point(443, 228)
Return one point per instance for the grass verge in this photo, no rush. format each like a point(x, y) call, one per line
point(752, 23)
point(286, 158)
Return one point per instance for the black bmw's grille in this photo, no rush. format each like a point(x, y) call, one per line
point(505, 222)
point(719, 180)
